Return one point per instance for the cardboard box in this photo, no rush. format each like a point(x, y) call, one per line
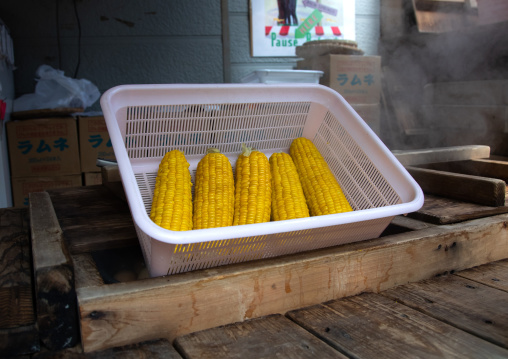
point(21, 187)
point(371, 114)
point(356, 78)
point(92, 178)
point(94, 142)
point(43, 147)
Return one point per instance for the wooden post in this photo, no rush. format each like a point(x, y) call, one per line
point(18, 328)
point(54, 277)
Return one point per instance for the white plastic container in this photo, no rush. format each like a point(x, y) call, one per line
point(146, 121)
point(283, 76)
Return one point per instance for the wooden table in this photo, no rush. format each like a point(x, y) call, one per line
point(423, 289)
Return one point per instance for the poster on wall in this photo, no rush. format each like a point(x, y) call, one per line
point(279, 26)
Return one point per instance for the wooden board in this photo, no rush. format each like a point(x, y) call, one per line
point(440, 210)
point(119, 314)
point(273, 336)
point(493, 274)
point(474, 189)
point(82, 210)
point(478, 167)
point(470, 306)
point(18, 327)
point(393, 331)
point(53, 277)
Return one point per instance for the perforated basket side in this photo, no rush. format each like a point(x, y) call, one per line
point(194, 256)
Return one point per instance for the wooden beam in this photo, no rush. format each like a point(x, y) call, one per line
point(474, 189)
point(53, 275)
point(477, 167)
point(171, 306)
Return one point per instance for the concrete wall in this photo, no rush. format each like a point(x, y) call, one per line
point(149, 41)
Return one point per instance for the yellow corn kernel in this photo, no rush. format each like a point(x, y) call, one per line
point(214, 191)
point(288, 200)
point(322, 191)
point(252, 188)
point(172, 199)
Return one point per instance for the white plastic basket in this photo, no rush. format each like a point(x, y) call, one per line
point(146, 121)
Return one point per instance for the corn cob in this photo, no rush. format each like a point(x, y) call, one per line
point(288, 200)
point(252, 188)
point(214, 192)
point(172, 199)
point(322, 191)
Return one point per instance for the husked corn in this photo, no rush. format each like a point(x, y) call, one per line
point(322, 191)
point(172, 199)
point(252, 188)
point(214, 192)
point(288, 200)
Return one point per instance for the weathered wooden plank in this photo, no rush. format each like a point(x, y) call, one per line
point(85, 271)
point(54, 277)
point(18, 327)
point(176, 305)
point(82, 210)
point(157, 349)
point(493, 274)
point(478, 167)
point(471, 306)
point(393, 330)
point(273, 336)
point(473, 189)
point(441, 154)
point(439, 210)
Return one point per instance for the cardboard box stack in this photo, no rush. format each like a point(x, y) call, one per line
point(44, 154)
point(55, 152)
point(94, 142)
point(346, 70)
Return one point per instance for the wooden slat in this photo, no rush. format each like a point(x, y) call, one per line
point(493, 274)
point(118, 314)
point(471, 306)
point(273, 336)
point(82, 210)
point(54, 277)
point(439, 210)
point(473, 189)
point(393, 331)
point(18, 327)
point(441, 154)
point(479, 167)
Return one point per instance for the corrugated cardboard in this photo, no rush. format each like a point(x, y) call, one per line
point(21, 187)
point(94, 142)
point(356, 78)
point(43, 147)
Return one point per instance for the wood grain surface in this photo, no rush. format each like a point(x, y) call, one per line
point(273, 336)
point(468, 305)
point(393, 330)
point(18, 325)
